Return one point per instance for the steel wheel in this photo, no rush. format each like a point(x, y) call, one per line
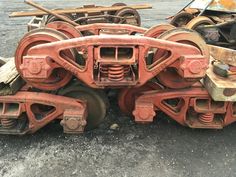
point(114, 5)
point(52, 18)
point(119, 4)
point(169, 77)
point(199, 21)
point(59, 77)
point(126, 98)
point(157, 30)
point(132, 15)
point(181, 19)
point(97, 102)
point(69, 30)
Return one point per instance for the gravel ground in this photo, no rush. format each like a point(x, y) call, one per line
point(163, 148)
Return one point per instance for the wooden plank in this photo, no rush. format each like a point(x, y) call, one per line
point(78, 10)
point(10, 81)
point(3, 60)
point(228, 56)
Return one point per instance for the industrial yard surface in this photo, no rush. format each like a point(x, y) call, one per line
point(163, 148)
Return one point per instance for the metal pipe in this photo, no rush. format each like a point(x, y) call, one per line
point(205, 8)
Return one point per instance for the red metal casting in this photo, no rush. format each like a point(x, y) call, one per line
point(183, 74)
point(97, 28)
point(51, 75)
point(111, 56)
point(191, 107)
point(157, 30)
point(69, 30)
point(127, 96)
point(112, 60)
point(39, 109)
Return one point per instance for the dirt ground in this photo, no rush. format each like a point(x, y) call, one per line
point(163, 148)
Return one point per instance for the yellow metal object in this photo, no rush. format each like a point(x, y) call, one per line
point(217, 5)
point(220, 88)
point(226, 5)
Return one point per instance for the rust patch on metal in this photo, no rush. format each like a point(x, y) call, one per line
point(229, 92)
point(223, 4)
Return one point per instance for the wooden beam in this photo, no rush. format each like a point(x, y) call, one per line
point(2, 61)
point(78, 10)
point(227, 56)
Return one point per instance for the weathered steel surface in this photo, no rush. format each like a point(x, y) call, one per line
point(217, 28)
point(218, 5)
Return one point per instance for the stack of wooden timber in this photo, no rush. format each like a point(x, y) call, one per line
point(10, 80)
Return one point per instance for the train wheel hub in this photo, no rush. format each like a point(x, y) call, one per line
point(97, 102)
point(40, 71)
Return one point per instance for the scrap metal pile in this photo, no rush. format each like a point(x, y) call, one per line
point(88, 14)
point(70, 68)
point(215, 20)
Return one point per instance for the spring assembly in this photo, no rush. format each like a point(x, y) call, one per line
point(104, 70)
point(115, 72)
point(206, 118)
point(8, 123)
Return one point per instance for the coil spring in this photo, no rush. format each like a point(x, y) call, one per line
point(104, 70)
point(115, 72)
point(8, 123)
point(206, 118)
